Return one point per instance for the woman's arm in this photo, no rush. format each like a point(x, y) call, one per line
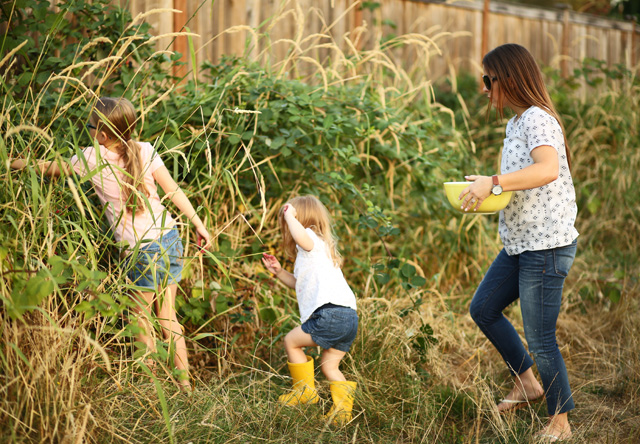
point(47, 168)
point(180, 200)
point(544, 170)
point(299, 234)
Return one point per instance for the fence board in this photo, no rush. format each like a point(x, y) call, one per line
point(540, 30)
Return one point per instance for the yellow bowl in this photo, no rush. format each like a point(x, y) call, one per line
point(490, 205)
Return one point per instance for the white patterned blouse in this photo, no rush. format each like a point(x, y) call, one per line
point(540, 218)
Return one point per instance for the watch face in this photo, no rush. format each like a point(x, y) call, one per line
point(497, 190)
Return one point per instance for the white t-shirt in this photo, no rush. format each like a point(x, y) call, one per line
point(106, 170)
point(540, 218)
point(318, 281)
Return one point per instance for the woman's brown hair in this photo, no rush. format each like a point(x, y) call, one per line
point(117, 118)
point(311, 213)
point(520, 80)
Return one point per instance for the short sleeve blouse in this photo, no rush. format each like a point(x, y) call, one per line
point(540, 218)
point(318, 280)
point(105, 170)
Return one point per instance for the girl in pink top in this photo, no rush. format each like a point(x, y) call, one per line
point(125, 174)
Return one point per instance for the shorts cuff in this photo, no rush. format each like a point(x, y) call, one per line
point(322, 343)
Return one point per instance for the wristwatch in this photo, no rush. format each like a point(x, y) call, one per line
point(497, 188)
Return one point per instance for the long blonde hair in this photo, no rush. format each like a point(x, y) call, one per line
point(311, 213)
point(520, 80)
point(117, 118)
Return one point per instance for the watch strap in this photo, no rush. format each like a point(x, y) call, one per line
point(495, 180)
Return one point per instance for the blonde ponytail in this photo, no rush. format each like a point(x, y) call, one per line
point(117, 117)
point(134, 178)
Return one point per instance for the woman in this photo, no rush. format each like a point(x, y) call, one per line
point(538, 233)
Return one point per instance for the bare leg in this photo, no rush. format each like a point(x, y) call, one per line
point(526, 388)
point(301, 368)
point(557, 426)
point(173, 331)
point(144, 307)
point(294, 342)
point(330, 364)
point(342, 391)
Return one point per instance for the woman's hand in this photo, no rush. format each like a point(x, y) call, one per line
point(271, 263)
point(473, 196)
point(545, 169)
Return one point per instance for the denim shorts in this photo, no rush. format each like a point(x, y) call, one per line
point(158, 263)
point(332, 326)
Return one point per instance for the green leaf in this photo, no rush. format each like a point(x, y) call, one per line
point(382, 278)
point(202, 336)
point(418, 281)
point(26, 296)
point(84, 306)
point(394, 263)
point(328, 121)
point(277, 143)
point(408, 270)
point(3, 253)
point(594, 205)
point(268, 314)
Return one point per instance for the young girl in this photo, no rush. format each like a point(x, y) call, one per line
point(327, 305)
point(124, 173)
point(538, 233)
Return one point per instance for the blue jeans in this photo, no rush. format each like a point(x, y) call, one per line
point(537, 278)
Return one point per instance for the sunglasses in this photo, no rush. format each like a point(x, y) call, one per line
point(487, 81)
point(90, 126)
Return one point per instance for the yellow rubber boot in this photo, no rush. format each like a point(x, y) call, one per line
point(342, 394)
point(304, 389)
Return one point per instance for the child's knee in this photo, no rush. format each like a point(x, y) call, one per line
point(174, 328)
point(289, 341)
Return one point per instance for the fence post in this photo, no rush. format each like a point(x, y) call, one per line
point(566, 30)
point(634, 58)
point(485, 29)
point(357, 19)
point(180, 42)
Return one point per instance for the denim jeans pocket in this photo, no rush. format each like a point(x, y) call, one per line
point(563, 258)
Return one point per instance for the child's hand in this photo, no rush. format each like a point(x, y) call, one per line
point(271, 263)
point(290, 210)
point(203, 239)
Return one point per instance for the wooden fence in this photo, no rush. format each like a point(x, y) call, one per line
point(461, 30)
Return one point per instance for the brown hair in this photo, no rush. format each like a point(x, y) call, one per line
point(117, 118)
point(311, 213)
point(520, 81)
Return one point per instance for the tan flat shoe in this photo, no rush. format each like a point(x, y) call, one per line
point(517, 404)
